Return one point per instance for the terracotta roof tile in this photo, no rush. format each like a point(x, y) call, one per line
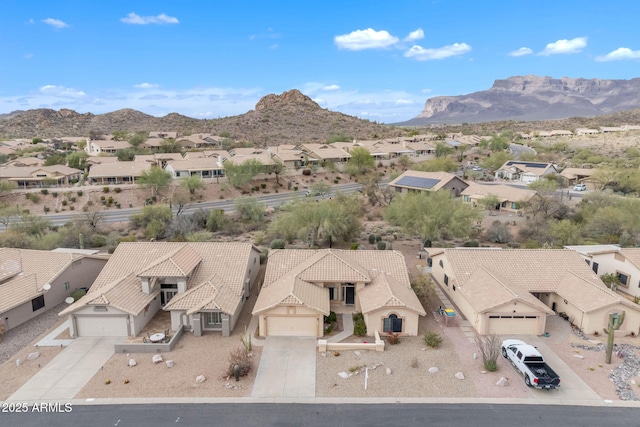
point(385, 291)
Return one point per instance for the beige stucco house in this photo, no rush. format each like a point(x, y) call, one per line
point(33, 282)
point(513, 291)
point(203, 285)
point(624, 263)
point(118, 172)
point(302, 286)
point(428, 181)
point(528, 172)
point(511, 199)
point(40, 176)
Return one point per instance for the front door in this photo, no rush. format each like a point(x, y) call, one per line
point(349, 295)
point(165, 296)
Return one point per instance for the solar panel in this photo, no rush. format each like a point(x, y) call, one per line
point(528, 164)
point(417, 182)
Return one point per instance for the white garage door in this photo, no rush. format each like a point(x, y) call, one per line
point(292, 326)
point(102, 326)
point(521, 325)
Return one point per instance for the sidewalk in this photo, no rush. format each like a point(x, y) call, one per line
point(51, 341)
point(347, 328)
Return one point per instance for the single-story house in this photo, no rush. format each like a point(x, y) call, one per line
point(160, 160)
point(624, 263)
point(199, 140)
point(33, 282)
point(25, 162)
point(163, 134)
point(40, 176)
point(117, 173)
point(301, 286)
point(326, 153)
point(203, 285)
point(528, 172)
point(240, 155)
point(204, 167)
point(512, 291)
point(428, 181)
point(290, 157)
point(190, 155)
point(573, 176)
point(511, 199)
point(587, 131)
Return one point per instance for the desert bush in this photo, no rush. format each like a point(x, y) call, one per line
point(393, 338)
point(79, 193)
point(378, 238)
point(105, 189)
point(44, 191)
point(332, 317)
point(239, 357)
point(33, 197)
point(357, 316)
point(359, 328)
point(354, 246)
point(117, 189)
point(489, 347)
point(64, 203)
point(306, 172)
point(471, 244)
point(372, 238)
point(432, 339)
point(217, 220)
point(258, 238)
point(264, 255)
point(97, 240)
point(277, 244)
point(382, 245)
point(414, 362)
point(77, 294)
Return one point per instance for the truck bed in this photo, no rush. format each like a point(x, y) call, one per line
point(546, 375)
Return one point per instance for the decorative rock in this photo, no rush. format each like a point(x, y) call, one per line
point(232, 386)
point(157, 358)
point(200, 379)
point(33, 356)
point(424, 349)
point(459, 375)
point(388, 371)
point(343, 375)
point(502, 382)
point(433, 370)
point(578, 356)
point(18, 362)
point(132, 363)
point(483, 372)
point(323, 354)
point(170, 363)
point(357, 353)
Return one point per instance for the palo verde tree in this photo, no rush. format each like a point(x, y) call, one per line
point(156, 179)
point(360, 162)
point(242, 173)
point(192, 184)
point(432, 216)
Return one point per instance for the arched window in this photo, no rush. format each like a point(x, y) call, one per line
point(392, 324)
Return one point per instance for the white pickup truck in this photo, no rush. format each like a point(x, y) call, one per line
point(530, 363)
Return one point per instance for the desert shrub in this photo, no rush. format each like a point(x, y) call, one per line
point(33, 197)
point(328, 330)
point(54, 193)
point(295, 188)
point(241, 358)
point(393, 338)
point(382, 245)
point(64, 203)
point(277, 244)
point(72, 208)
point(432, 339)
point(47, 209)
point(217, 220)
point(489, 347)
point(105, 189)
point(360, 328)
point(79, 193)
point(263, 185)
point(354, 246)
point(332, 317)
point(471, 244)
point(258, 238)
point(306, 172)
point(378, 238)
point(117, 189)
point(77, 294)
point(110, 200)
point(72, 199)
point(372, 238)
point(264, 255)
point(97, 240)
point(44, 191)
point(357, 316)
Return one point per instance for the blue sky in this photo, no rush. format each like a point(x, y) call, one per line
point(378, 60)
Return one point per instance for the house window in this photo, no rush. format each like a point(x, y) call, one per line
point(514, 205)
point(100, 308)
point(467, 198)
point(392, 324)
point(214, 318)
point(454, 288)
point(624, 279)
point(37, 303)
point(333, 295)
point(66, 286)
point(446, 280)
point(587, 261)
point(594, 267)
point(441, 264)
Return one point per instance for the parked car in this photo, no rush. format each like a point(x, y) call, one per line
point(579, 187)
point(530, 363)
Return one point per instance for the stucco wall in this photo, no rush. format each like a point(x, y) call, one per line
point(140, 321)
point(610, 264)
point(375, 321)
point(282, 311)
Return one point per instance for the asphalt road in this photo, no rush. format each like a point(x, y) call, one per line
point(517, 150)
point(323, 415)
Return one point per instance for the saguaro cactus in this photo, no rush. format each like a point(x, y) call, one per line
point(615, 321)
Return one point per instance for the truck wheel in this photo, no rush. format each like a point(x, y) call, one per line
point(504, 353)
point(527, 381)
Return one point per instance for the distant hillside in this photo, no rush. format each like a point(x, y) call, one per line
point(287, 118)
point(531, 98)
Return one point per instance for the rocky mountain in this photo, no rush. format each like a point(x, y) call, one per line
point(290, 118)
point(529, 98)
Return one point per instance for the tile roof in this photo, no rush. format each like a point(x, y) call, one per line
point(326, 151)
point(424, 180)
point(120, 279)
point(122, 169)
point(292, 273)
point(386, 291)
point(561, 271)
point(535, 168)
point(571, 173)
point(503, 191)
point(30, 171)
point(23, 272)
point(212, 294)
point(633, 255)
point(198, 163)
point(190, 155)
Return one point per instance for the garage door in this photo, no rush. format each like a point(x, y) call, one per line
point(292, 326)
point(524, 325)
point(102, 326)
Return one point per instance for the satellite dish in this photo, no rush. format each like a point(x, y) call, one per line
point(69, 300)
point(46, 287)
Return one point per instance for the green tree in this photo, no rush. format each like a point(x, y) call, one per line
point(404, 162)
point(120, 135)
point(433, 216)
point(56, 159)
point(170, 145)
point(499, 143)
point(321, 189)
point(125, 154)
point(156, 179)
point(192, 184)
point(77, 160)
point(565, 232)
point(442, 149)
point(241, 174)
point(489, 202)
point(217, 220)
point(496, 160)
point(7, 187)
point(138, 138)
point(277, 169)
point(360, 161)
point(547, 202)
point(31, 225)
point(250, 209)
point(439, 164)
point(154, 218)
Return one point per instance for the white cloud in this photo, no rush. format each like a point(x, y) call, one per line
point(145, 86)
point(134, 18)
point(421, 54)
point(565, 46)
point(365, 39)
point(404, 101)
point(415, 35)
point(521, 52)
point(619, 54)
point(61, 91)
point(331, 87)
point(57, 23)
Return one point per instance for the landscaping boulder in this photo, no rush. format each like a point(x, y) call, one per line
point(433, 370)
point(343, 375)
point(169, 363)
point(200, 379)
point(459, 375)
point(388, 371)
point(33, 356)
point(132, 363)
point(502, 382)
point(157, 358)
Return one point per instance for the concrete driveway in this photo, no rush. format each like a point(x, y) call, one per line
point(287, 368)
point(571, 385)
point(65, 375)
